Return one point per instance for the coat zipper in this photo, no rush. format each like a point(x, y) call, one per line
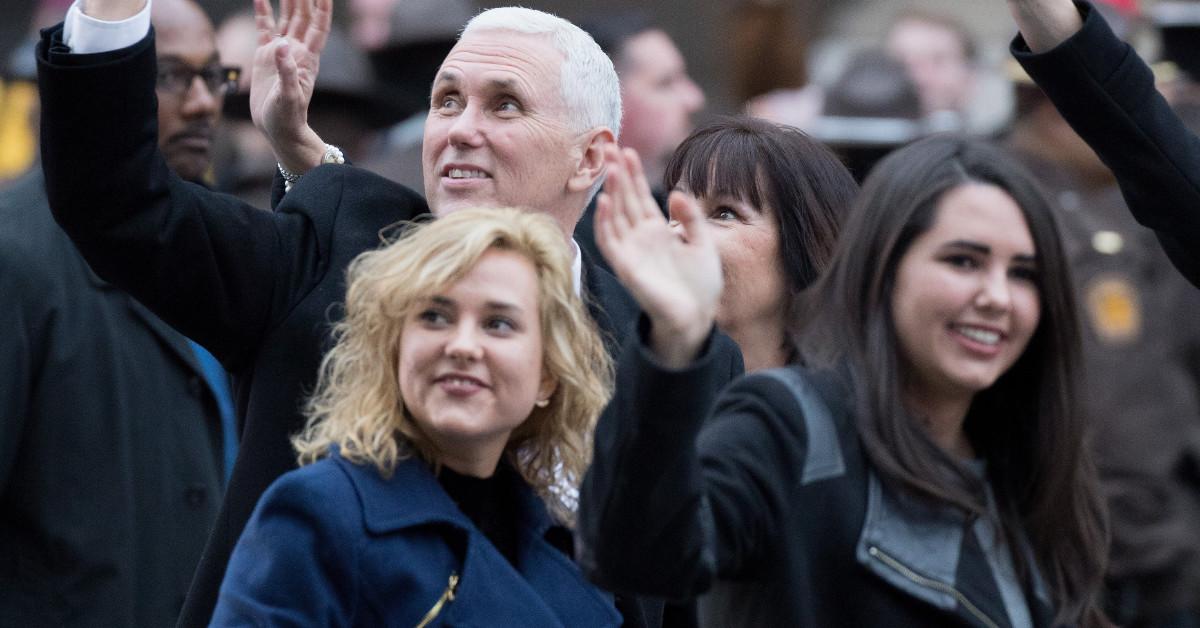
point(447, 596)
point(879, 554)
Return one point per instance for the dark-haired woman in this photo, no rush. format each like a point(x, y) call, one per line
point(927, 466)
point(774, 198)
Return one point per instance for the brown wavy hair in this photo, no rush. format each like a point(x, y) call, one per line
point(357, 404)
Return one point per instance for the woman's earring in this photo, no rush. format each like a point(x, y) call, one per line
point(542, 403)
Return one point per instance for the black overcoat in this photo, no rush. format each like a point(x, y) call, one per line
point(110, 442)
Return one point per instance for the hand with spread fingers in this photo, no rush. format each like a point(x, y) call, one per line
point(1045, 23)
point(285, 73)
point(675, 275)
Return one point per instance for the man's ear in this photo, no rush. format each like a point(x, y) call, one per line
point(590, 166)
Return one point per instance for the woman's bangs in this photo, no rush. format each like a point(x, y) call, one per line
point(697, 170)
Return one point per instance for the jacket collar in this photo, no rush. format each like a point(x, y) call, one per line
point(172, 339)
point(552, 574)
point(915, 546)
point(911, 544)
point(424, 500)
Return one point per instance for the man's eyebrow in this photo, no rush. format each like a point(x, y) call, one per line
point(503, 85)
point(449, 77)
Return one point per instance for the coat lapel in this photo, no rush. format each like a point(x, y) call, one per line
point(562, 587)
point(915, 547)
point(911, 544)
point(556, 577)
point(424, 500)
point(170, 338)
point(552, 585)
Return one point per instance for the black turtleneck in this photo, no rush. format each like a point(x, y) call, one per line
point(490, 503)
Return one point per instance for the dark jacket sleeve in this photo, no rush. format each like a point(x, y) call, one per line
point(1107, 94)
point(218, 270)
point(297, 561)
point(674, 499)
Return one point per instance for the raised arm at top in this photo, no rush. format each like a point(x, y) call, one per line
point(1045, 23)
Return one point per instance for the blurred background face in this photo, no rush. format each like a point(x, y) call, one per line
point(371, 22)
point(937, 62)
point(187, 118)
point(658, 96)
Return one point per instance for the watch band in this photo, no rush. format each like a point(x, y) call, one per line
point(333, 155)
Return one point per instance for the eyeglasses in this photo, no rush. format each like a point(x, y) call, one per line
point(176, 78)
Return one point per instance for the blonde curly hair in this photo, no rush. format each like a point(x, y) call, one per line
point(357, 404)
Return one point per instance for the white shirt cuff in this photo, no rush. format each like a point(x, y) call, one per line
point(85, 35)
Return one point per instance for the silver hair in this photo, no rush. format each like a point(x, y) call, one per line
point(588, 82)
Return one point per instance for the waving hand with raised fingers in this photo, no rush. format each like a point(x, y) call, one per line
point(285, 73)
point(674, 273)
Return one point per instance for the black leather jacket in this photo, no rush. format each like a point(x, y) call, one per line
point(769, 508)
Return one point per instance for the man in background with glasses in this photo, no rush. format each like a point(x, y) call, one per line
point(191, 87)
point(116, 432)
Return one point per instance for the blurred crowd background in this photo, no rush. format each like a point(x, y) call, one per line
point(864, 76)
point(775, 59)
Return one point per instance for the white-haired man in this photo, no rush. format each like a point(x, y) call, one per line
point(520, 89)
point(522, 109)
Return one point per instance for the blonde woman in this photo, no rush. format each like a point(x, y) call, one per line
point(457, 402)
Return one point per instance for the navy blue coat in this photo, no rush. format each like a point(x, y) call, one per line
point(336, 544)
